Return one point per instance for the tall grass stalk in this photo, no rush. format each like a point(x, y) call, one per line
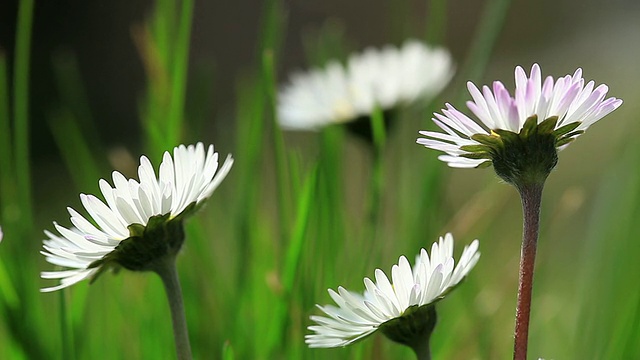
point(66, 330)
point(280, 157)
point(75, 150)
point(21, 142)
point(292, 258)
point(484, 40)
point(163, 43)
point(179, 67)
point(8, 295)
point(6, 149)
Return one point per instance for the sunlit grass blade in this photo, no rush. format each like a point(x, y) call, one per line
point(280, 157)
point(227, 352)
point(8, 295)
point(76, 151)
point(179, 67)
point(66, 330)
point(290, 272)
point(73, 98)
point(163, 43)
point(330, 208)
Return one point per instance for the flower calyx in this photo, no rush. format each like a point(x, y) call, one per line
point(414, 327)
point(526, 157)
point(147, 245)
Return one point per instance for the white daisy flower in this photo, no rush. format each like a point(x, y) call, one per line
point(386, 78)
point(184, 182)
point(358, 316)
point(566, 106)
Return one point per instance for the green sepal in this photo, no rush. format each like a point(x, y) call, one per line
point(507, 136)
point(489, 140)
point(547, 125)
point(136, 230)
point(564, 141)
point(483, 165)
point(529, 127)
point(146, 245)
point(475, 148)
point(189, 210)
point(572, 134)
point(414, 326)
point(478, 155)
point(529, 156)
point(565, 129)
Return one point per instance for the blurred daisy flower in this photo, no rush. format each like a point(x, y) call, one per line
point(140, 222)
point(403, 309)
point(386, 78)
point(519, 134)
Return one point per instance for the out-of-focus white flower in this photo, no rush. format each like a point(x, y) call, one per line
point(386, 78)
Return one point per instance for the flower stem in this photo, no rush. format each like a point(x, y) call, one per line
point(531, 195)
point(377, 178)
point(413, 329)
point(422, 350)
point(167, 271)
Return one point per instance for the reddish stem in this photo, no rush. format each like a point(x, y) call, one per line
point(531, 195)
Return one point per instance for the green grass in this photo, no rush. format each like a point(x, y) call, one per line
point(300, 213)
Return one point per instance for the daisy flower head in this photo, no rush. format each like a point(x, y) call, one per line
point(386, 78)
point(139, 221)
point(403, 308)
point(519, 134)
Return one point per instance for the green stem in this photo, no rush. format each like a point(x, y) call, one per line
point(531, 195)
point(372, 224)
point(377, 178)
point(21, 108)
point(413, 329)
point(422, 350)
point(167, 271)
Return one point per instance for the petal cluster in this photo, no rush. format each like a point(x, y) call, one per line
point(358, 315)
point(191, 175)
point(569, 98)
point(386, 77)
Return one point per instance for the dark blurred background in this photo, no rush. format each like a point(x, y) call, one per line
point(561, 35)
